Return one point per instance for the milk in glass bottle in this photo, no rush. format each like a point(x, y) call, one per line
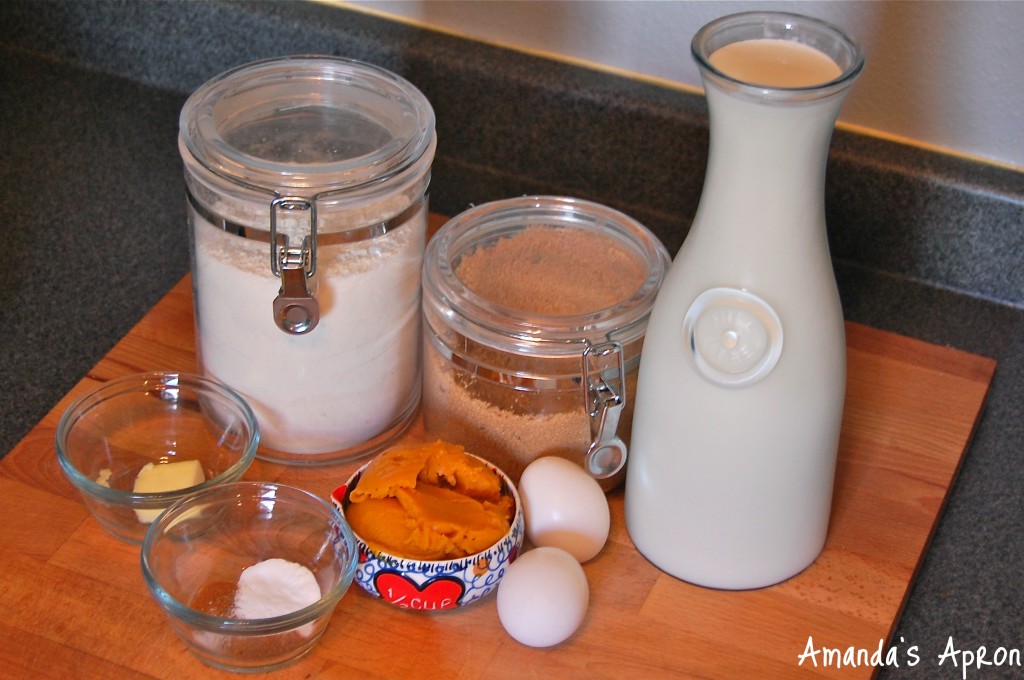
point(742, 381)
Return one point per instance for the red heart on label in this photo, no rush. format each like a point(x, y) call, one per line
point(338, 495)
point(438, 593)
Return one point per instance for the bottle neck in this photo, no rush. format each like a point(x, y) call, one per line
point(772, 150)
point(774, 83)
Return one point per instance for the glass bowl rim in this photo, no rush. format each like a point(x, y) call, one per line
point(141, 383)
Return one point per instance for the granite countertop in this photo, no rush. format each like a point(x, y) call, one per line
point(924, 245)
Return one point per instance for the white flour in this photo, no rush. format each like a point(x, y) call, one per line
point(349, 379)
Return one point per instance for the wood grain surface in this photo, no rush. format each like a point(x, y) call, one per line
point(74, 604)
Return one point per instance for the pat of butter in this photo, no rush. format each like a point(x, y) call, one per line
point(154, 478)
point(104, 477)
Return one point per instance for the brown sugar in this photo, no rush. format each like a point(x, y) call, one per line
point(545, 271)
point(553, 271)
point(509, 427)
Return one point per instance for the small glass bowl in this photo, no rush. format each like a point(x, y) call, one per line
point(106, 437)
point(436, 585)
point(194, 553)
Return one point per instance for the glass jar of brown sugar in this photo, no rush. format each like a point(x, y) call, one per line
point(535, 311)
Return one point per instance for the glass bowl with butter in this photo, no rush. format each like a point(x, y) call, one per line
point(135, 445)
point(436, 526)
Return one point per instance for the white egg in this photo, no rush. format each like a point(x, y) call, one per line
point(564, 507)
point(543, 597)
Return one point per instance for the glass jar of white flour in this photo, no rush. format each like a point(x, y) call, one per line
point(307, 208)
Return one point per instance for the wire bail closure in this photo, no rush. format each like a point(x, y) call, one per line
point(296, 310)
point(604, 382)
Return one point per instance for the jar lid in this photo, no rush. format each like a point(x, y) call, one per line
point(305, 125)
point(544, 275)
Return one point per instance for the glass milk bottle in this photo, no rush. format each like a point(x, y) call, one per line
point(307, 208)
point(741, 386)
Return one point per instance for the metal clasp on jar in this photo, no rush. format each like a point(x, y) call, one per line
point(296, 310)
point(604, 380)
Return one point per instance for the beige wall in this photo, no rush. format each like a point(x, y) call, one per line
point(947, 74)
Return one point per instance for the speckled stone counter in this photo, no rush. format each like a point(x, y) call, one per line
point(924, 245)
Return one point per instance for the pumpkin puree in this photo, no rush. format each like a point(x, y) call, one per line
point(429, 502)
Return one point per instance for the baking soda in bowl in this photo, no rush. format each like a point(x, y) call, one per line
point(307, 181)
point(274, 587)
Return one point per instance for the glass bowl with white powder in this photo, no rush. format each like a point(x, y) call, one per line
point(249, 573)
point(306, 182)
point(134, 445)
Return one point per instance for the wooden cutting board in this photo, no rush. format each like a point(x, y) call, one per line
point(74, 603)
